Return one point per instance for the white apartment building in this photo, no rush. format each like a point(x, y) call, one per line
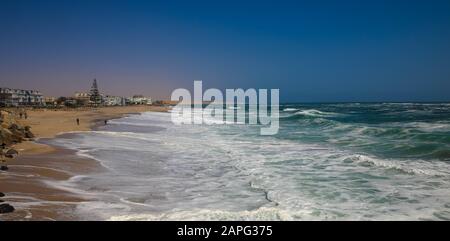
point(140, 100)
point(17, 97)
point(114, 100)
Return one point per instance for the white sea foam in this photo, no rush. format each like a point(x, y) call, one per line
point(426, 126)
point(261, 214)
point(411, 167)
point(316, 113)
point(229, 173)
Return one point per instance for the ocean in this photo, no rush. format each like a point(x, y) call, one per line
point(338, 161)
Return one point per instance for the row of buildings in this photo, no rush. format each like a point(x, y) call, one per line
point(16, 98)
point(85, 99)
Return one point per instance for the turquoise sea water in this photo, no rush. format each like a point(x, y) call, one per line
point(341, 161)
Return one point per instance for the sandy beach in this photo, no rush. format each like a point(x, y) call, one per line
point(26, 182)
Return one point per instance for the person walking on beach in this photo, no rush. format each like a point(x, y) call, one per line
point(3, 165)
point(78, 122)
point(106, 122)
point(26, 115)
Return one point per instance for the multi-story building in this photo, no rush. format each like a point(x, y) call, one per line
point(71, 102)
point(114, 101)
point(82, 98)
point(50, 101)
point(140, 100)
point(82, 95)
point(17, 97)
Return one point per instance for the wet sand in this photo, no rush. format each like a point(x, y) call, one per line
point(26, 183)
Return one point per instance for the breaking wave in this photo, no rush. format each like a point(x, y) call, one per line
point(328, 162)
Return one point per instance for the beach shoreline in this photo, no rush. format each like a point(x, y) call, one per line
point(39, 164)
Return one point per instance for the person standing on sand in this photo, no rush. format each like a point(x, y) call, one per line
point(106, 122)
point(78, 122)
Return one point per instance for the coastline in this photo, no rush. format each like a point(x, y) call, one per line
point(26, 183)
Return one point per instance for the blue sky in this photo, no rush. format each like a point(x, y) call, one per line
point(311, 50)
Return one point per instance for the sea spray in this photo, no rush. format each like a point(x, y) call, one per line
point(352, 161)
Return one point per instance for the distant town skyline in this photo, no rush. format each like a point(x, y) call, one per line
point(71, 91)
point(325, 51)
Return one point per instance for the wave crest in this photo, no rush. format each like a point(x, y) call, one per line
point(416, 167)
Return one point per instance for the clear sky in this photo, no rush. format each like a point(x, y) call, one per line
point(311, 50)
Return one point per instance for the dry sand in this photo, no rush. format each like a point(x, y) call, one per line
point(25, 183)
point(47, 123)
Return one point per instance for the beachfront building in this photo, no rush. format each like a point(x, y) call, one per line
point(140, 100)
point(17, 97)
point(114, 100)
point(82, 98)
point(50, 101)
point(71, 102)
